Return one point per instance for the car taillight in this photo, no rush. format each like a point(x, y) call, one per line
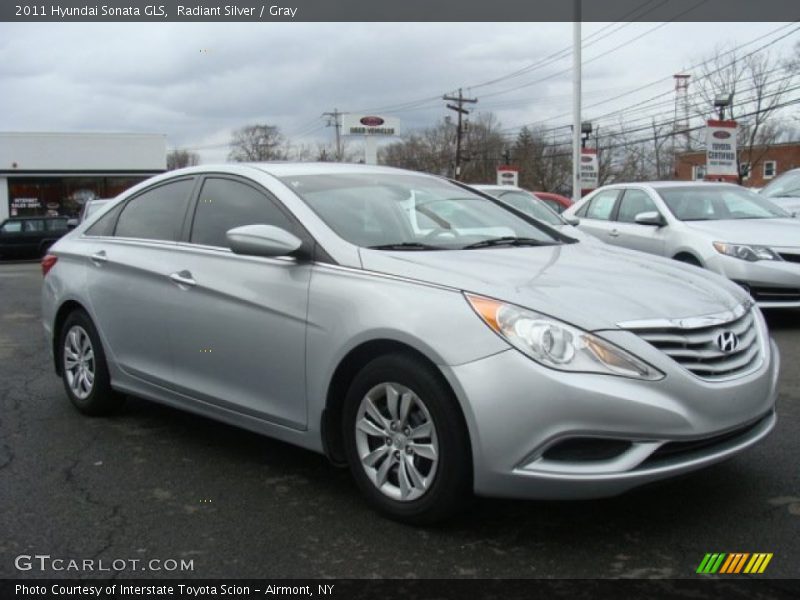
point(48, 262)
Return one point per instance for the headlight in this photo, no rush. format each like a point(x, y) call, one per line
point(746, 252)
point(556, 344)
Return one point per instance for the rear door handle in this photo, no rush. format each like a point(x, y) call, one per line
point(613, 233)
point(183, 278)
point(99, 258)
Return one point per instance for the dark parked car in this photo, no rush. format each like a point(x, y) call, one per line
point(30, 236)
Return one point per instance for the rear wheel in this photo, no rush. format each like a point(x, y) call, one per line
point(83, 367)
point(406, 441)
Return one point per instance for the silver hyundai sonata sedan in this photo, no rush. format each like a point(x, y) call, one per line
point(433, 339)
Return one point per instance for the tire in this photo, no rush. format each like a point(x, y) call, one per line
point(421, 471)
point(80, 352)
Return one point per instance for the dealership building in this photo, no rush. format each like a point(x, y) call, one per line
point(56, 173)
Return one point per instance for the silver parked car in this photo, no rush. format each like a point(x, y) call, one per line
point(784, 191)
point(427, 336)
point(722, 227)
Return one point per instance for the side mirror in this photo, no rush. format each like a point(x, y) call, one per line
point(574, 221)
point(262, 240)
point(72, 223)
point(650, 218)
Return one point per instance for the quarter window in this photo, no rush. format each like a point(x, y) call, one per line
point(157, 214)
point(634, 202)
point(225, 204)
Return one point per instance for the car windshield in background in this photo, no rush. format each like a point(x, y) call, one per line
point(406, 212)
point(529, 205)
point(718, 203)
point(785, 186)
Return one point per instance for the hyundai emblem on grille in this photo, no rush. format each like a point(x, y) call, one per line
point(727, 341)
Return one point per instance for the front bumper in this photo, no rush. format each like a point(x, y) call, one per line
point(773, 284)
point(516, 410)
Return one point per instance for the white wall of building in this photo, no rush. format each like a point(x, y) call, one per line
point(82, 152)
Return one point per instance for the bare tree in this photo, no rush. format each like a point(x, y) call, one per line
point(254, 143)
point(543, 164)
point(179, 158)
point(757, 85)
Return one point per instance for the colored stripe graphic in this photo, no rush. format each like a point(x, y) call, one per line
point(711, 563)
point(734, 563)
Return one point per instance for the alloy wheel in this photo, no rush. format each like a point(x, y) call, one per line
point(79, 362)
point(396, 441)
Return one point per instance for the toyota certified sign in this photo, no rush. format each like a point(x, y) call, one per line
point(369, 125)
point(721, 163)
point(589, 170)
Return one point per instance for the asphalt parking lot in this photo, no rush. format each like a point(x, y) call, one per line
point(153, 482)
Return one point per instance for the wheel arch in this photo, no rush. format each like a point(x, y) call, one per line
point(687, 256)
point(348, 367)
point(66, 308)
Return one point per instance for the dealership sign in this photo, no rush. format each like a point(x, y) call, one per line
point(721, 160)
point(507, 175)
point(590, 170)
point(369, 125)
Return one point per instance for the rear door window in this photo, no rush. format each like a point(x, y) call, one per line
point(156, 214)
point(602, 205)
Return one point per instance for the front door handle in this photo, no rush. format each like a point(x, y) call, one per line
point(99, 258)
point(183, 278)
point(613, 233)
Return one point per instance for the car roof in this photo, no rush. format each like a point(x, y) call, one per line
point(669, 184)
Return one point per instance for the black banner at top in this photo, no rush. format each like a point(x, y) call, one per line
point(398, 11)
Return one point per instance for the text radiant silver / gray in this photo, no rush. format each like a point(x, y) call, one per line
point(433, 339)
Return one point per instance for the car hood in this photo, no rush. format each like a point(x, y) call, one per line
point(594, 286)
point(766, 232)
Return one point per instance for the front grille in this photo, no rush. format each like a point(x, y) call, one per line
point(672, 450)
point(697, 350)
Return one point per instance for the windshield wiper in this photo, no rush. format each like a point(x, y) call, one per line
point(507, 240)
point(405, 246)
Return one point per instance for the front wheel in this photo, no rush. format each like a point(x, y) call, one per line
point(406, 441)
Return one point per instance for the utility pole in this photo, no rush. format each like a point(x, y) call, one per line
point(576, 103)
point(337, 123)
point(459, 108)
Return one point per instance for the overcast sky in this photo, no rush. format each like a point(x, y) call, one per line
point(195, 82)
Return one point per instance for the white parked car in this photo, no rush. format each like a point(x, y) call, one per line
point(785, 191)
point(722, 227)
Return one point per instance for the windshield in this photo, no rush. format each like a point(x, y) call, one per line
point(785, 186)
point(717, 203)
point(398, 212)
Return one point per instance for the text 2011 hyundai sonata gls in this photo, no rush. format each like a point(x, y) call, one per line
point(433, 339)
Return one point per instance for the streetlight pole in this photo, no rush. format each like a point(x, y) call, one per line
point(576, 103)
